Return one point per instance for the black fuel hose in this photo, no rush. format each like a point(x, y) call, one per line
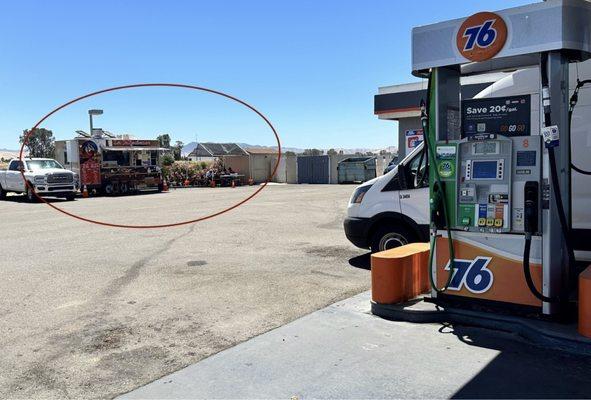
point(558, 199)
point(527, 272)
point(572, 103)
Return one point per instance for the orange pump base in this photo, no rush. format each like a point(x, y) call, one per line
point(585, 302)
point(400, 274)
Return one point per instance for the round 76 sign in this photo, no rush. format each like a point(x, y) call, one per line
point(481, 36)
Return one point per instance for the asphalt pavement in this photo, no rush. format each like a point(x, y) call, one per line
point(88, 311)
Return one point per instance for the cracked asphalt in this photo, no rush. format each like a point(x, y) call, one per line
point(90, 311)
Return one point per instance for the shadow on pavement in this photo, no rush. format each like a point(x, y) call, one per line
point(522, 370)
point(363, 261)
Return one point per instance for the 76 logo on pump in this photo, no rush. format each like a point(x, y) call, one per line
point(471, 274)
point(481, 36)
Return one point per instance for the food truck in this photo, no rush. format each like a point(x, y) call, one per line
point(113, 165)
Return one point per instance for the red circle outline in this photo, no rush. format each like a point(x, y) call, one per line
point(138, 85)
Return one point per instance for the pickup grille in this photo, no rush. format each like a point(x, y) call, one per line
point(60, 178)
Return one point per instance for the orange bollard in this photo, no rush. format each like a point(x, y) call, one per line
point(399, 274)
point(585, 302)
point(85, 192)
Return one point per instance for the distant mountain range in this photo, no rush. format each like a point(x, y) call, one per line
point(7, 154)
point(189, 147)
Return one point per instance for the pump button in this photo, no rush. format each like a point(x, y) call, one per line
point(498, 222)
point(466, 221)
point(481, 221)
point(490, 221)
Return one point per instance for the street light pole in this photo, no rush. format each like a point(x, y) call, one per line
point(90, 114)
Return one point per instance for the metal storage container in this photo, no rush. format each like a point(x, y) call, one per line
point(357, 169)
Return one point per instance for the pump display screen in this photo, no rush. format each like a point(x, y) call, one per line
point(485, 148)
point(484, 169)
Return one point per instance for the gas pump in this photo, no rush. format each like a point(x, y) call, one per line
point(499, 167)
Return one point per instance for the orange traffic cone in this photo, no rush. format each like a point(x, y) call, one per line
point(187, 182)
point(165, 186)
point(250, 181)
point(212, 184)
point(85, 192)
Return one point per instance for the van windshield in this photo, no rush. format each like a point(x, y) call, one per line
point(36, 165)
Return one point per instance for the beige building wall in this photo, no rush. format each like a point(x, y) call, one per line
point(240, 164)
point(287, 169)
point(261, 166)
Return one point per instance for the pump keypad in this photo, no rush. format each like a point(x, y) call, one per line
point(484, 188)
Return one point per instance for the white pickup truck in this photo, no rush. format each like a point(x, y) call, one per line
point(45, 176)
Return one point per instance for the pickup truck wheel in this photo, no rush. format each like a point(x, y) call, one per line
point(2, 193)
point(386, 237)
point(71, 197)
point(30, 194)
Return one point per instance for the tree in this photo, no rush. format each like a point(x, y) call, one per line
point(40, 142)
point(177, 150)
point(167, 160)
point(313, 152)
point(164, 140)
point(331, 152)
point(289, 153)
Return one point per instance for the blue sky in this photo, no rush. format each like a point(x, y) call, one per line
point(312, 67)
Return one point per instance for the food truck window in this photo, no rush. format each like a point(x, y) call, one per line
point(122, 157)
point(153, 157)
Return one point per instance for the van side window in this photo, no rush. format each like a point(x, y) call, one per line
point(393, 185)
point(413, 170)
point(410, 170)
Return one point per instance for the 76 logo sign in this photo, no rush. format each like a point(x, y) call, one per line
point(481, 36)
point(471, 274)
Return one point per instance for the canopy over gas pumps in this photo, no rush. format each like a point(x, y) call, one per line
point(517, 36)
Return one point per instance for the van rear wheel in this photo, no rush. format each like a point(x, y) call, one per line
point(386, 237)
point(2, 193)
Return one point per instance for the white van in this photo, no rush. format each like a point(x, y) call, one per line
point(393, 209)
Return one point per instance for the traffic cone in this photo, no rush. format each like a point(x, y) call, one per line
point(250, 181)
point(187, 182)
point(165, 186)
point(85, 192)
point(212, 184)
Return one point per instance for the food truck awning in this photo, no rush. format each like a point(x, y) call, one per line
point(135, 148)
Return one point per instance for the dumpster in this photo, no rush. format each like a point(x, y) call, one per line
point(357, 169)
